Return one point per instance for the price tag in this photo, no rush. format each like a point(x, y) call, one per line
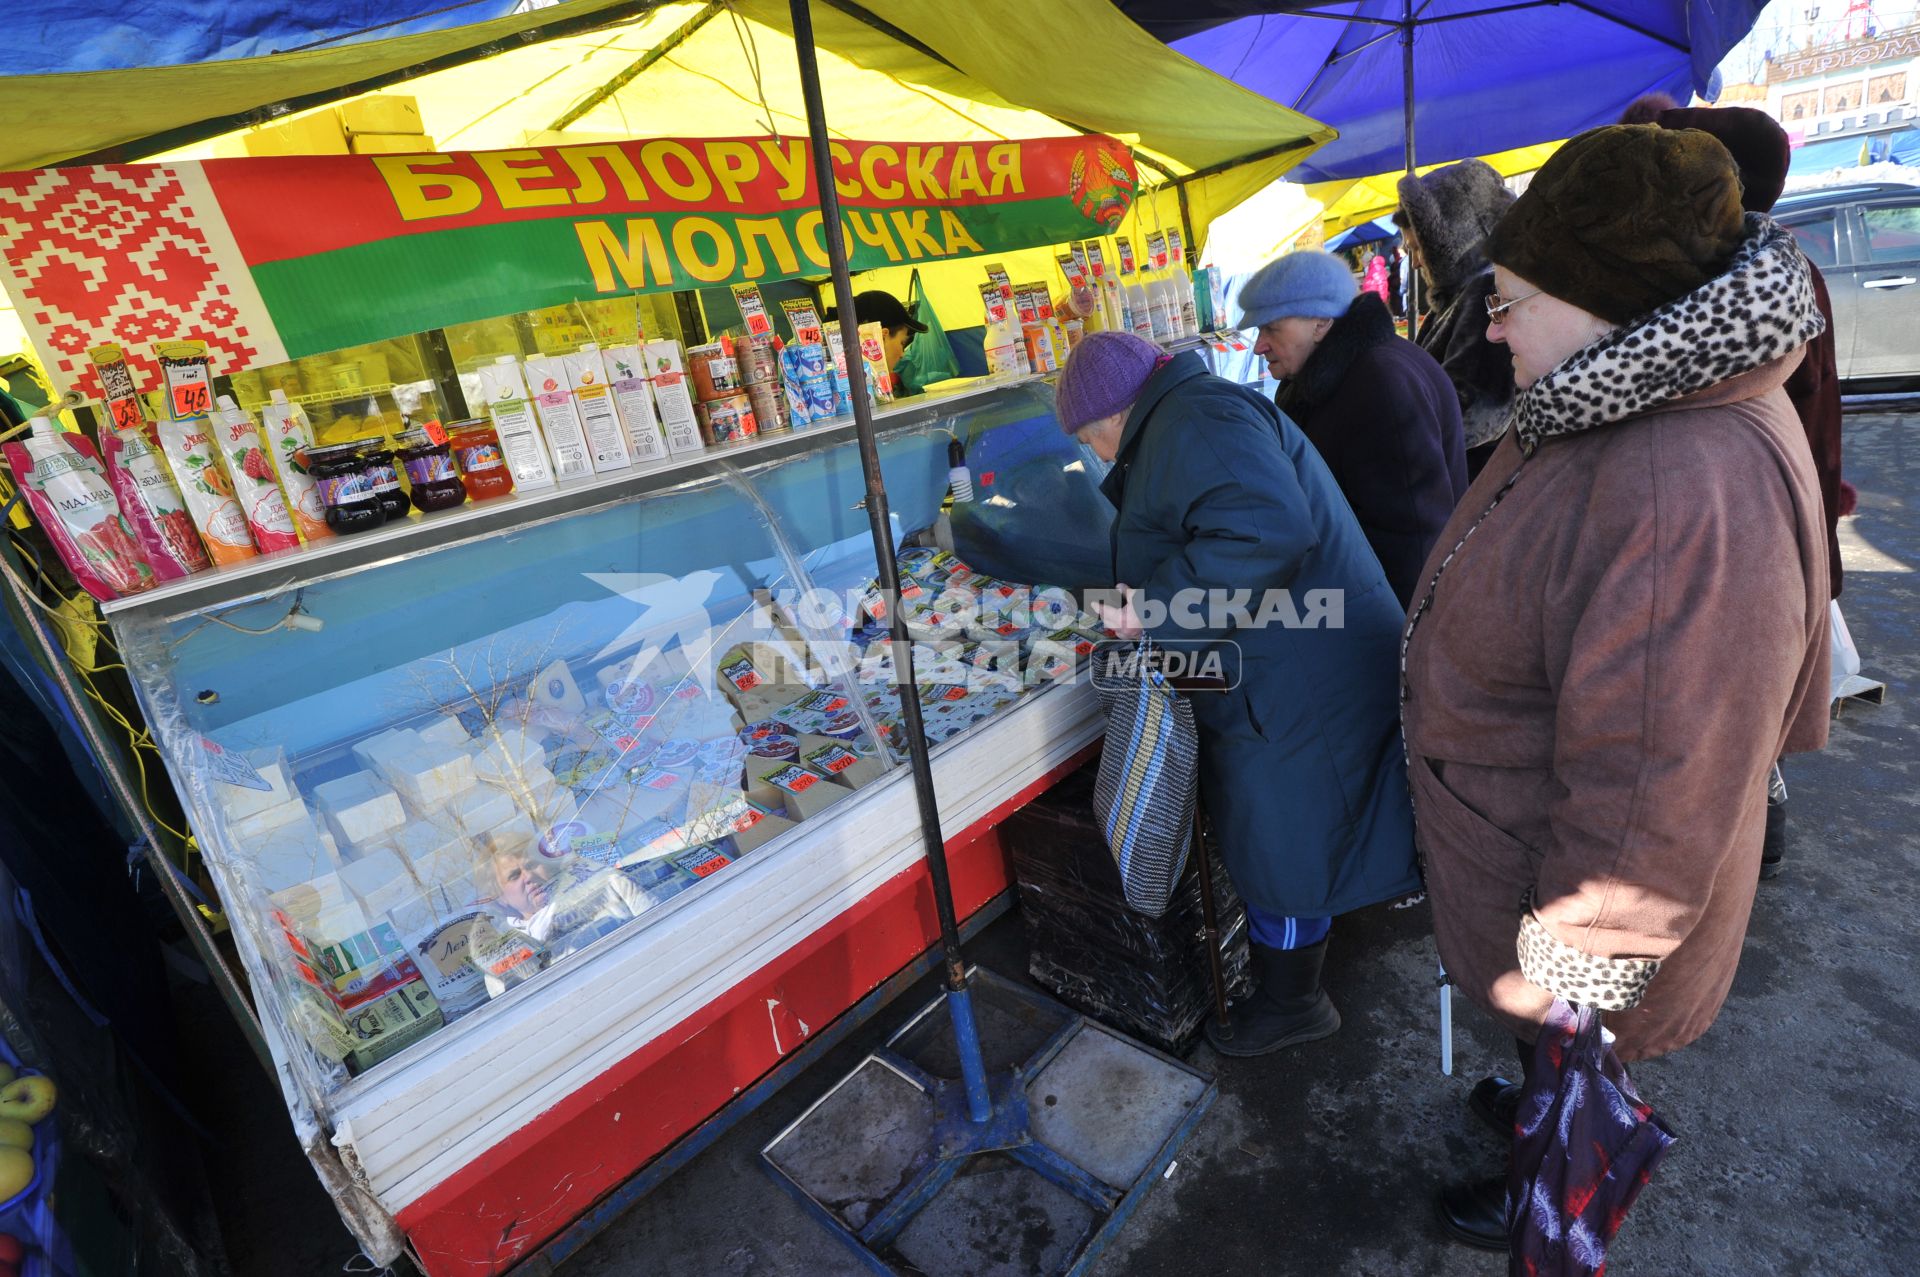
point(232, 769)
point(1080, 259)
point(742, 674)
point(190, 398)
point(705, 861)
point(1097, 259)
point(1125, 247)
point(126, 414)
point(753, 309)
point(793, 778)
point(803, 319)
point(1073, 269)
point(436, 432)
point(1178, 246)
point(833, 758)
point(1157, 250)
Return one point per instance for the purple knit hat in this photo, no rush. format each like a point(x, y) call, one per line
point(1106, 373)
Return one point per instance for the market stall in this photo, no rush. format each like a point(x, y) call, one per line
point(550, 820)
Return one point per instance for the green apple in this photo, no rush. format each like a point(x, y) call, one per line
point(27, 1099)
point(15, 1134)
point(16, 1171)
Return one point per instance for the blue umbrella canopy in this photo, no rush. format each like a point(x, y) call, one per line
point(1365, 233)
point(86, 35)
point(1486, 75)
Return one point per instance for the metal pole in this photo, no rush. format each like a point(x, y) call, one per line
point(979, 1104)
point(1209, 921)
point(1406, 72)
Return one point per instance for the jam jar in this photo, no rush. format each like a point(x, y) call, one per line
point(345, 489)
point(378, 459)
point(429, 467)
point(483, 464)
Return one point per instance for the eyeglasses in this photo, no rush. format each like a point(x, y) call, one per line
point(1498, 306)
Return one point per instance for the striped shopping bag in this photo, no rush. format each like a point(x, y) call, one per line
point(1144, 795)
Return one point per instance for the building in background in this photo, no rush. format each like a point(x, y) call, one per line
point(1848, 103)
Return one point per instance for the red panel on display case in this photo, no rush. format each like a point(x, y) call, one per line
point(492, 1213)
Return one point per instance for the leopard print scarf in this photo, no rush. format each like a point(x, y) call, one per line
point(1757, 310)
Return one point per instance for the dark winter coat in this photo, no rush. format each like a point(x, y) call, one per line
point(1385, 420)
point(1455, 333)
point(1301, 764)
point(1452, 210)
point(1626, 626)
point(1814, 390)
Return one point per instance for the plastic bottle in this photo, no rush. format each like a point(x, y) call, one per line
point(1002, 336)
point(1139, 306)
point(1182, 284)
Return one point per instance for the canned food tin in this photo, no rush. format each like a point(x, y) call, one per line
point(715, 374)
point(727, 420)
point(769, 400)
point(758, 357)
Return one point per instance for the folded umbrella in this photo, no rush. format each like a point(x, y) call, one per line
point(1585, 1144)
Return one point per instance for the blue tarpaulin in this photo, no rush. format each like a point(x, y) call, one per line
point(1365, 233)
point(50, 36)
point(1488, 75)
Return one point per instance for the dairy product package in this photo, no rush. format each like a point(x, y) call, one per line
point(873, 349)
point(633, 400)
point(67, 489)
point(190, 450)
point(559, 417)
point(269, 522)
point(154, 510)
point(667, 370)
point(593, 395)
point(513, 421)
point(289, 434)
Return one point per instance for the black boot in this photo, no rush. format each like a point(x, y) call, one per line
point(1773, 852)
point(1475, 1212)
point(1496, 1101)
point(1288, 1008)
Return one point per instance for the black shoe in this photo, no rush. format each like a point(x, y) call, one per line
point(1496, 1101)
point(1287, 1009)
point(1773, 853)
point(1475, 1212)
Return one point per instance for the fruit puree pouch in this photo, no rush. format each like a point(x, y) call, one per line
point(192, 452)
point(251, 474)
point(67, 490)
point(289, 435)
point(152, 506)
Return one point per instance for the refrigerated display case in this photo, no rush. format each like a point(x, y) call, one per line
point(547, 824)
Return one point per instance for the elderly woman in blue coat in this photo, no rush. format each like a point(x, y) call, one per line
point(1231, 534)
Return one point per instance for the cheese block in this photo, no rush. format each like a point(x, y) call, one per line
point(507, 757)
point(379, 880)
point(243, 801)
point(452, 873)
point(359, 808)
point(432, 775)
point(418, 839)
point(375, 753)
point(253, 828)
point(445, 730)
point(304, 902)
point(481, 808)
point(516, 835)
point(291, 855)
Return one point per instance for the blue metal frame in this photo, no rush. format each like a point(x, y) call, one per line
point(958, 1136)
point(563, 1245)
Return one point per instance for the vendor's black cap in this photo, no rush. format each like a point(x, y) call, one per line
point(883, 308)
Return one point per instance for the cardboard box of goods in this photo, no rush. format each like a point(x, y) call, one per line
point(381, 113)
point(318, 133)
point(389, 143)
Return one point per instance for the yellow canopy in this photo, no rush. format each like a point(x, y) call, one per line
point(1351, 203)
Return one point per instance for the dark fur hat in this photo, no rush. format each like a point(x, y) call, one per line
point(1452, 210)
point(1646, 108)
point(1624, 219)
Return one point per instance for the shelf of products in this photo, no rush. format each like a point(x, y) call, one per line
point(509, 731)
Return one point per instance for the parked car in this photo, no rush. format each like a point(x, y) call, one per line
point(1866, 240)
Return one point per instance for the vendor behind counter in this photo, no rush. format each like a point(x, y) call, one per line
point(901, 326)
